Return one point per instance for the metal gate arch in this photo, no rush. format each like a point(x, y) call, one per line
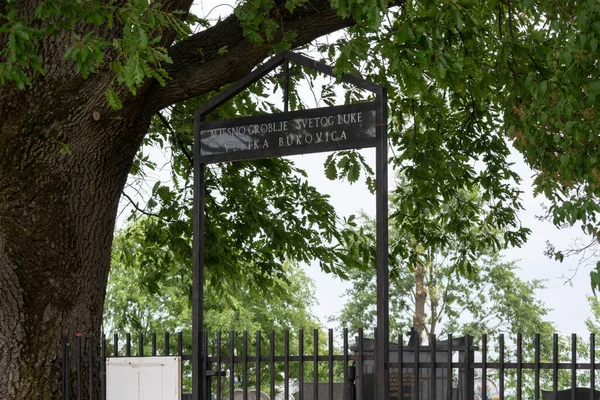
point(379, 141)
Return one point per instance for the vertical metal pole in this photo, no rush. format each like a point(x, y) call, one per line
point(400, 366)
point(573, 366)
point(65, 368)
point(383, 328)
point(258, 343)
point(198, 268)
point(286, 86)
point(79, 368)
point(501, 375)
point(592, 364)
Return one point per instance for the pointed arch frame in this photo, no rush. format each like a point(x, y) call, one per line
point(199, 372)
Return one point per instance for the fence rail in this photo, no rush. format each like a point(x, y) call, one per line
point(314, 366)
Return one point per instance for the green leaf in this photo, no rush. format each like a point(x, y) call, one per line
point(593, 44)
point(354, 172)
point(113, 99)
point(330, 171)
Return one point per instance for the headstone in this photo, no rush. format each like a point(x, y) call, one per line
point(281, 396)
point(323, 390)
point(580, 393)
point(238, 394)
point(408, 383)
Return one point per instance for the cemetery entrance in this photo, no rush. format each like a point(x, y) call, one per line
point(323, 129)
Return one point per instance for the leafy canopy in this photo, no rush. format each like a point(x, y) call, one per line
point(464, 79)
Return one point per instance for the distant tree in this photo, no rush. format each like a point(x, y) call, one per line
point(492, 300)
point(136, 301)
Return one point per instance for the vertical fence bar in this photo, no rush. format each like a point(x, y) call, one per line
point(103, 368)
point(519, 366)
point(180, 353)
point(219, 367)
point(537, 367)
point(573, 366)
point(258, 343)
point(154, 344)
point(79, 368)
point(128, 345)
point(207, 380)
point(231, 363)
point(315, 364)
point(286, 364)
point(91, 369)
point(469, 367)
point(433, 378)
point(592, 365)
point(417, 349)
point(301, 365)
point(167, 344)
point(449, 387)
point(361, 373)
point(245, 364)
point(484, 365)
point(501, 374)
point(65, 367)
point(555, 365)
point(375, 336)
point(115, 345)
point(272, 366)
point(180, 343)
point(346, 379)
point(141, 345)
point(400, 366)
point(330, 364)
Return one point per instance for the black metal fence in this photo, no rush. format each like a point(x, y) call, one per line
point(317, 365)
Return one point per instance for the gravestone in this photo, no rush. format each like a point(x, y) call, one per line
point(408, 383)
point(580, 393)
point(323, 391)
point(238, 394)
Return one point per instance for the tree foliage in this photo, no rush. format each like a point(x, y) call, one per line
point(466, 79)
point(82, 80)
point(140, 301)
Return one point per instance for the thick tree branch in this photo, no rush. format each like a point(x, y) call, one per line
point(199, 68)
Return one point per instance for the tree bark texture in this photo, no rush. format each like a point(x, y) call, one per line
point(420, 299)
point(62, 171)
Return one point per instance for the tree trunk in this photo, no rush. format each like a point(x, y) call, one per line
point(57, 217)
point(420, 299)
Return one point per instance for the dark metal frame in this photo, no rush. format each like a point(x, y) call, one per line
point(382, 354)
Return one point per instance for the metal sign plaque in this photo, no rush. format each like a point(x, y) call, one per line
point(298, 132)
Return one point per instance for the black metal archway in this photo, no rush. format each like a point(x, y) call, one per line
point(357, 126)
